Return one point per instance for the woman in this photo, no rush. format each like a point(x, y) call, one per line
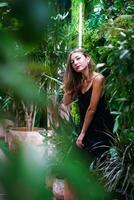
point(88, 86)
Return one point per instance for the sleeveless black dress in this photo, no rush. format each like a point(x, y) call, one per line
point(98, 138)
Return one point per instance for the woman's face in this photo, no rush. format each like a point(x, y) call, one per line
point(78, 61)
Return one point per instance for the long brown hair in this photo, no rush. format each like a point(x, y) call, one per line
point(72, 79)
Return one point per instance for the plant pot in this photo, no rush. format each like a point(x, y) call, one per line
point(20, 135)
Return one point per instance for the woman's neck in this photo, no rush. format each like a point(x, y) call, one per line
point(87, 74)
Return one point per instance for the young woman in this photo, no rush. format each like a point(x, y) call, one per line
point(88, 86)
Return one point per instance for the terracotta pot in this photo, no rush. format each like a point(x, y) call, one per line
point(20, 135)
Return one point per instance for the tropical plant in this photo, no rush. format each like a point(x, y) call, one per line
point(31, 72)
point(116, 169)
point(120, 52)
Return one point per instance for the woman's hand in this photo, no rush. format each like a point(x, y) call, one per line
point(64, 111)
point(79, 140)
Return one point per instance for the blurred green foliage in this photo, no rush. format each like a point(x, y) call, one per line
point(23, 174)
point(35, 40)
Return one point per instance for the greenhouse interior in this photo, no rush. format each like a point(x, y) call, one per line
point(56, 57)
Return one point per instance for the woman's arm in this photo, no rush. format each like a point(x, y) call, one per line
point(68, 98)
point(98, 84)
point(64, 107)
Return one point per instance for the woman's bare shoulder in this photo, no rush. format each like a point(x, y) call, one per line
point(98, 78)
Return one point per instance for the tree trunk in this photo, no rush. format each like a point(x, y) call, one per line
point(75, 8)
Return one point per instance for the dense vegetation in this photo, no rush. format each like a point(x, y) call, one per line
point(35, 39)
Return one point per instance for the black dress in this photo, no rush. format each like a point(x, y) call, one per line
point(98, 136)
